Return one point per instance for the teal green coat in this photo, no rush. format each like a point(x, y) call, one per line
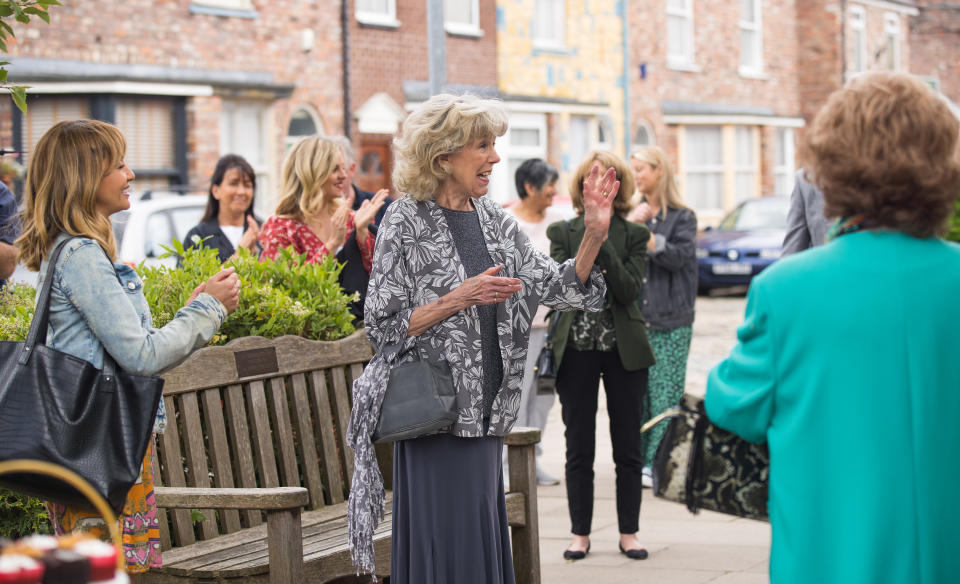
point(848, 366)
point(621, 260)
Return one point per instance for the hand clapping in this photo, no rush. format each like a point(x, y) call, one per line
point(598, 195)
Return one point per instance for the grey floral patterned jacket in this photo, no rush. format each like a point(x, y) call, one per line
point(416, 262)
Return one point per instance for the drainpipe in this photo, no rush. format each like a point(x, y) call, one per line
point(626, 78)
point(843, 42)
point(345, 50)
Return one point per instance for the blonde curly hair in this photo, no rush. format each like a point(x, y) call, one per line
point(441, 126)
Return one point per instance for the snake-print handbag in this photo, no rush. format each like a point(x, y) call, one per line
point(706, 467)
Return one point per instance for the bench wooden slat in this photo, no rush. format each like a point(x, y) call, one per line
point(172, 473)
point(320, 398)
point(161, 513)
point(341, 399)
point(193, 443)
point(262, 439)
point(220, 453)
point(308, 444)
point(283, 433)
point(240, 440)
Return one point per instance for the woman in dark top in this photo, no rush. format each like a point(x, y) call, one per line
point(670, 286)
point(228, 222)
point(611, 343)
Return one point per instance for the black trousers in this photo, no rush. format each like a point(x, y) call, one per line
point(578, 384)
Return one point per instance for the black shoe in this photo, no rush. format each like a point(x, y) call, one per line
point(640, 554)
point(575, 555)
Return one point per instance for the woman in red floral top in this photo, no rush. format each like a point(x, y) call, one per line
point(312, 216)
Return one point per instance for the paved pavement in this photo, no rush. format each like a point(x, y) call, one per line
point(684, 548)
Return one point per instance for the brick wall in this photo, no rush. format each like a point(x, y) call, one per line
point(382, 58)
point(165, 33)
point(935, 45)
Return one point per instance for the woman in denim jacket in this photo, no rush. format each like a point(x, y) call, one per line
point(77, 179)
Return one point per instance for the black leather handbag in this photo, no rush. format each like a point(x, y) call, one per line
point(57, 408)
point(546, 368)
point(420, 400)
point(706, 467)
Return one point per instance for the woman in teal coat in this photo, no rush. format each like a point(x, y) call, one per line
point(847, 363)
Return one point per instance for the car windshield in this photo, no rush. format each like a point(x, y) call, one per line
point(767, 213)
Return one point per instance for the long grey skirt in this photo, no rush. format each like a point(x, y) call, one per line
point(449, 515)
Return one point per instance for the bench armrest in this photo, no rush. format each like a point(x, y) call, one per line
point(522, 436)
point(211, 498)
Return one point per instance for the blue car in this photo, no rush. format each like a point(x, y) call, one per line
point(746, 241)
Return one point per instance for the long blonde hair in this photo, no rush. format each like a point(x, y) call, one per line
point(307, 166)
point(666, 187)
point(66, 169)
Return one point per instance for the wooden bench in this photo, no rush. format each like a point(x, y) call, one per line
point(255, 432)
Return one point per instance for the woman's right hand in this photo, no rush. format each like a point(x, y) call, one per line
point(249, 238)
point(487, 288)
point(225, 287)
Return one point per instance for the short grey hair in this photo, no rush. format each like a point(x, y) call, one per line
point(442, 125)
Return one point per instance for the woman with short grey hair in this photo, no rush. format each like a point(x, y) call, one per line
point(455, 280)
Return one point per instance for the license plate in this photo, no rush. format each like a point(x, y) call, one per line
point(732, 268)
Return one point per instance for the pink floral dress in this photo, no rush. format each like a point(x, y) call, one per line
point(281, 232)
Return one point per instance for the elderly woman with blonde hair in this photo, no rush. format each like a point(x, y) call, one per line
point(455, 280)
point(670, 286)
point(847, 365)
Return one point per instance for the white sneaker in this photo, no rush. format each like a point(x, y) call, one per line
point(545, 479)
point(647, 478)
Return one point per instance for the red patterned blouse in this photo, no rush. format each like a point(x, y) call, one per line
point(280, 232)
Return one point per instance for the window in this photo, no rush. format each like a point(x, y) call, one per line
point(858, 40)
point(751, 37)
point(303, 122)
point(235, 8)
point(745, 163)
point(462, 17)
point(703, 167)
point(380, 12)
point(147, 125)
point(644, 135)
point(891, 36)
point(243, 132)
point(550, 24)
point(680, 32)
point(578, 141)
point(44, 112)
point(783, 168)
point(526, 138)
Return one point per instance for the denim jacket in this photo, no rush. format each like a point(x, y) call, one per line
point(670, 284)
point(93, 307)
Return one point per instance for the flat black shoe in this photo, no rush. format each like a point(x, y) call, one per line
point(575, 555)
point(640, 554)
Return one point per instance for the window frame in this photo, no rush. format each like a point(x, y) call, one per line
point(388, 19)
point(785, 146)
point(464, 29)
point(262, 165)
point(502, 185)
point(892, 32)
point(713, 169)
point(685, 60)
point(858, 24)
point(547, 43)
point(755, 27)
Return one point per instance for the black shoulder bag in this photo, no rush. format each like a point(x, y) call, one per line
point(57, 408)
point(545, 371)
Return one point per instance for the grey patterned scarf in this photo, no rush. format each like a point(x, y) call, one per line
point(365, 508)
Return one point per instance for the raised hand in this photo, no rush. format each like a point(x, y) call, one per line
point(369, 208)
point(598, 195)
point(338, 229)
point(249, 239)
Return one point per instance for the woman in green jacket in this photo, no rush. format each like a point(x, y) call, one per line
point(612, 343)
point(847, 362)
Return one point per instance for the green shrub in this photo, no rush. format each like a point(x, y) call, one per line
point(16, 310)
point(286, 296)
point(21, 515)
point(954, 234)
